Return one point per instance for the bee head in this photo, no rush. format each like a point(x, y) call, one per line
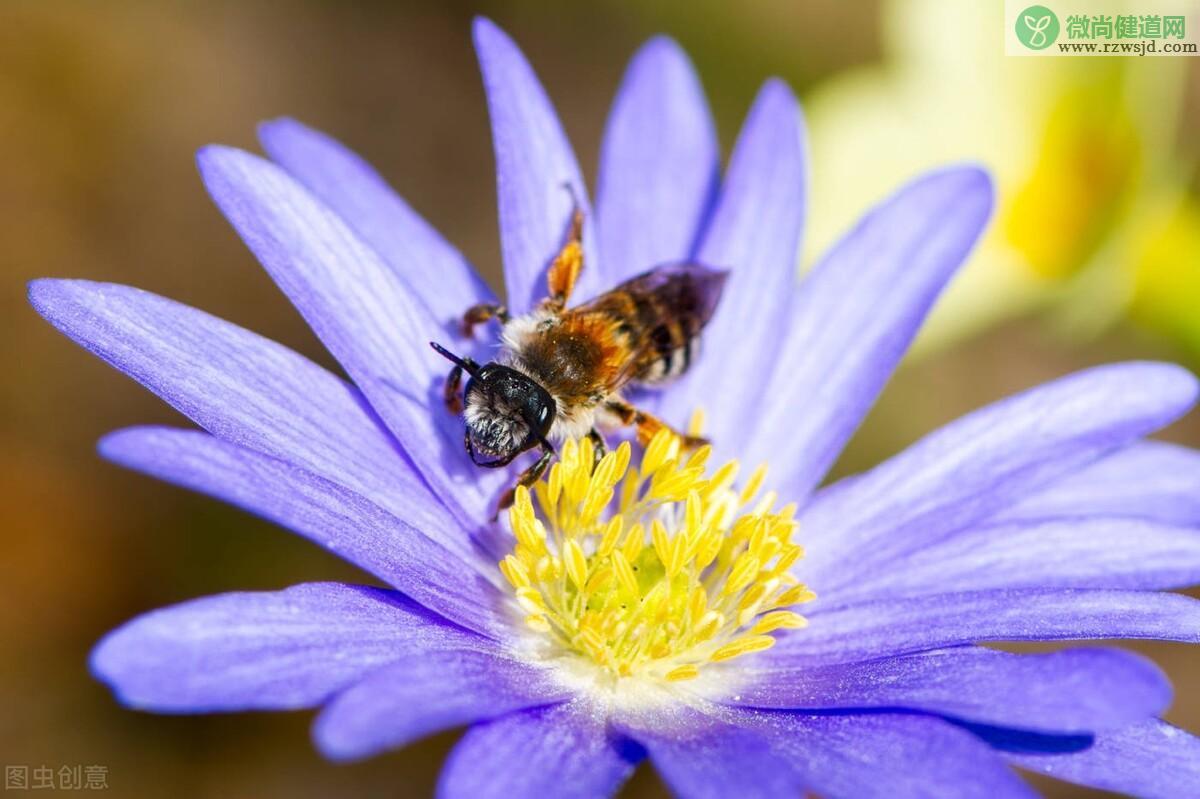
point(507, 412)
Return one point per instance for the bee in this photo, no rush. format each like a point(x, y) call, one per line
point(561, 371)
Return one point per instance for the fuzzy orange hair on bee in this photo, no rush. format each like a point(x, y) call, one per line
point(561, 371)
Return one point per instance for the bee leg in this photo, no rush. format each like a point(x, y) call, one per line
point(599, 447)
point(478, 314)
point(566, 266)
point(450, 389)
point(648, 424)
point(526, 478)
point(450, 393)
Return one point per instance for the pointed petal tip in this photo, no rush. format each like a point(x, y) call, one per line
point(967, 174)
point(776, 107)
point(231, 175)
point(663, 62)
point(110, 445)
point(105, 665)
point(208, 152)
point(332, 746)
point(39, 290)
point(775, 100)
point(105, 652)
point(208, 160)
point(1165, 381)
point(276, 134)
point(776, 89)
point(487, 34)
point(116, 446)
point(271, 130)
point(966, 190)
point(664, 51)
point(282, 123)
point(286, 140)
point(213, 159)
point(49, 295)
point(1160, 377)
point(97, 658)
point(1159, 682)
point(45, 292)
point(979, 185)
point(1148, 689)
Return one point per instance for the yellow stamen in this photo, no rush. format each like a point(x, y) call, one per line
point(576, 563)
point(538, 623)
point(514, 572)
point(657, 570)
point(689, 671)
point(624, 573)
point(779, 619)
point(743, 646)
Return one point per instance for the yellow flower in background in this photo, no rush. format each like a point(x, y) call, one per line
point(1093, 216)
point(1167, 277)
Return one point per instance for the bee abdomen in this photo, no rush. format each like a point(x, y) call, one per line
point(675, 351)
point(657, 318)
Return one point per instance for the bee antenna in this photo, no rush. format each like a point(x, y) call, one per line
point(465, 363)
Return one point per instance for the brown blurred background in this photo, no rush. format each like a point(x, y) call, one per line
point(101, 108)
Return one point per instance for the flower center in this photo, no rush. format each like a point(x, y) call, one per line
point(680, 571)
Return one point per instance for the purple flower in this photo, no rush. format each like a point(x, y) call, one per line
point(1046, 516)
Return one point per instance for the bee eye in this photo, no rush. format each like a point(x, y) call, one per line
point(542, 413)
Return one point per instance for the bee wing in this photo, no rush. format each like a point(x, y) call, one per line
point(686, 289)
point(687, 295)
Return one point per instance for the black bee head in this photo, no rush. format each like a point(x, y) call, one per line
point(507, 412)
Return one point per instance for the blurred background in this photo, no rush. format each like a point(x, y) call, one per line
point(1093, 256)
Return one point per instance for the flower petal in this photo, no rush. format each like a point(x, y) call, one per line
point(716, 755)
point(855, 316)
point(561, 751)
point(659, 164)
point(1151, 759)
point(884, 628)
point(892, 756)
point(536, 173)
point(237, 385)
point(1072, 553)
point(367, 317)
point(336, 518)
point(746, 753)
point(983, 462)
point(1076, 690)
point(348, 185)
point(424, 693)
point(1149, 480)
point(755, 233)
point(270, 650)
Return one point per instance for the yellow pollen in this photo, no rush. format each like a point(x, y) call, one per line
point(657, 570)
